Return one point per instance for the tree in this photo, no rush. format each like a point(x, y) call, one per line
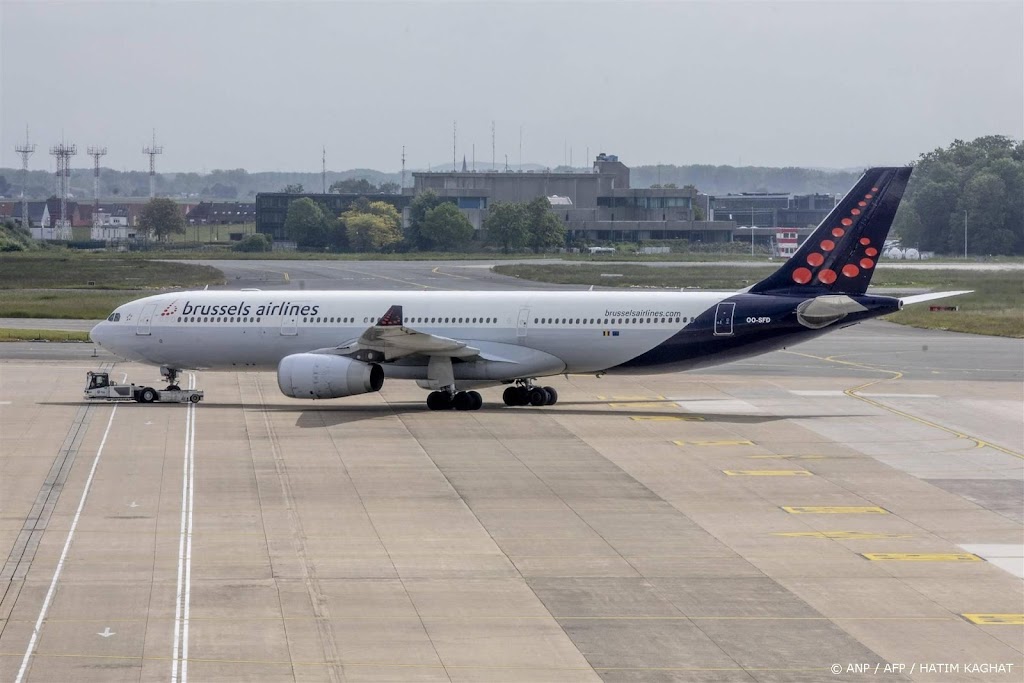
point(390, 188)
point(293, 189)
point(353, 186)
point(375, 227)
point(162, 218)
point(445, 228)
point(306, 224)
point(5, 186)
point(506, 226)
point(544, 228)
point(985, 179)
point(421, 204)
point(254, 242)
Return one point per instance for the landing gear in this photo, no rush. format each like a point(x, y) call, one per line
point(171, 374)
point(462, 400)
point(527, 394)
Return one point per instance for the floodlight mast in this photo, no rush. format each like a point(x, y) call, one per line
point(26, 150)
point(152, 151)
point(63, 153)
point(96, 153)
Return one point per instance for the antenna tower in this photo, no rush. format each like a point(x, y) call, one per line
point(323, 170)
point(454, 139)
point(63, 152)
point(96, 153)
point(403, 167)
point(26, 150)
point(494, 166)
point(152, 151)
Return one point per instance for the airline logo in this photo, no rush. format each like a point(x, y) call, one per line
point(170, 309)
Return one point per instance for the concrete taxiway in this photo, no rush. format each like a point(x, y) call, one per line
point(856, 502)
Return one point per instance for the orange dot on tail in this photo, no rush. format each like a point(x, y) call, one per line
point(850, 270)
point(865, 240)
point(855, 212)
point(838, 232)
point(847, 222)
point(871, 251)
point(867, 263)
point(827, 276)
point(874, 189)
point(801, 276)
point(815, 259)
point(862, 204)
point(827, 245)
point(868, 196)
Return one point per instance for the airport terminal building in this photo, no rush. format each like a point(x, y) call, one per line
point(595, 206)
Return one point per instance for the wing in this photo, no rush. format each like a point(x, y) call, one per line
point(389, 339)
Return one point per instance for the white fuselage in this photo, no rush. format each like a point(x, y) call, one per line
point(587, 331)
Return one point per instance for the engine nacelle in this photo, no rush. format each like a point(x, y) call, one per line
point(315, 375)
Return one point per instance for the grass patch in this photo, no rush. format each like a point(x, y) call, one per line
point(73, 271)
point(8, 334)
point(70, 304)
point(996, 306)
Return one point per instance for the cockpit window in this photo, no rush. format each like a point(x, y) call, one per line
point(113, 317)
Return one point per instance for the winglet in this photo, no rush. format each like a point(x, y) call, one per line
point(393, 318)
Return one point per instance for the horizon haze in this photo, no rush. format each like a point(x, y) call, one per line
point(265, 86)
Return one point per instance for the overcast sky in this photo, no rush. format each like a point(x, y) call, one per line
point(264, 85)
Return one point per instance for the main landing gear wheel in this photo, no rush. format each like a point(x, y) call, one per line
point(529, 395)
point(439, 400)
point(463, 400)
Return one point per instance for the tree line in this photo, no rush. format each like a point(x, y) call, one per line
point(435, 224)
point(972, 190)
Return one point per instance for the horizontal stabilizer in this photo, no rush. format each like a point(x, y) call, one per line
point(931, 296)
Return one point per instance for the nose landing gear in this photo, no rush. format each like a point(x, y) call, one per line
point(171, 374)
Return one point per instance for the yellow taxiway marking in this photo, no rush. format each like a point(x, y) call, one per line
point(768, 473)
point(835, 510)
point(840, 535)
point(895, 375)
point(922, 557)
point(723, 442)
point(667, 418)
point(991, 619)
point(787, 457)
point(631, 398)
point(643, 404)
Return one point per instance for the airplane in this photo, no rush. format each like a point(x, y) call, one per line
point(332, 344)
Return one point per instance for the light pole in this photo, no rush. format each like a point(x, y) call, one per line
point(965, 233)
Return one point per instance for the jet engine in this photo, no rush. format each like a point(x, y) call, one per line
point(315, 375)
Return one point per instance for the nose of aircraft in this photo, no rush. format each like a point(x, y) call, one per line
point(100, 334)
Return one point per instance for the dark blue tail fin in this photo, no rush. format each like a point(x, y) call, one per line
point(840, 255)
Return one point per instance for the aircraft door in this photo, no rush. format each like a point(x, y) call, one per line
point(289, 322)
point(523, 324)
point(290, 326)
point(145, 318)
point(723, 318)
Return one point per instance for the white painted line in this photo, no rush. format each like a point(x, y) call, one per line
point(64, 553)
point(1007, 556)
point(182, 606)
point(840, 394)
